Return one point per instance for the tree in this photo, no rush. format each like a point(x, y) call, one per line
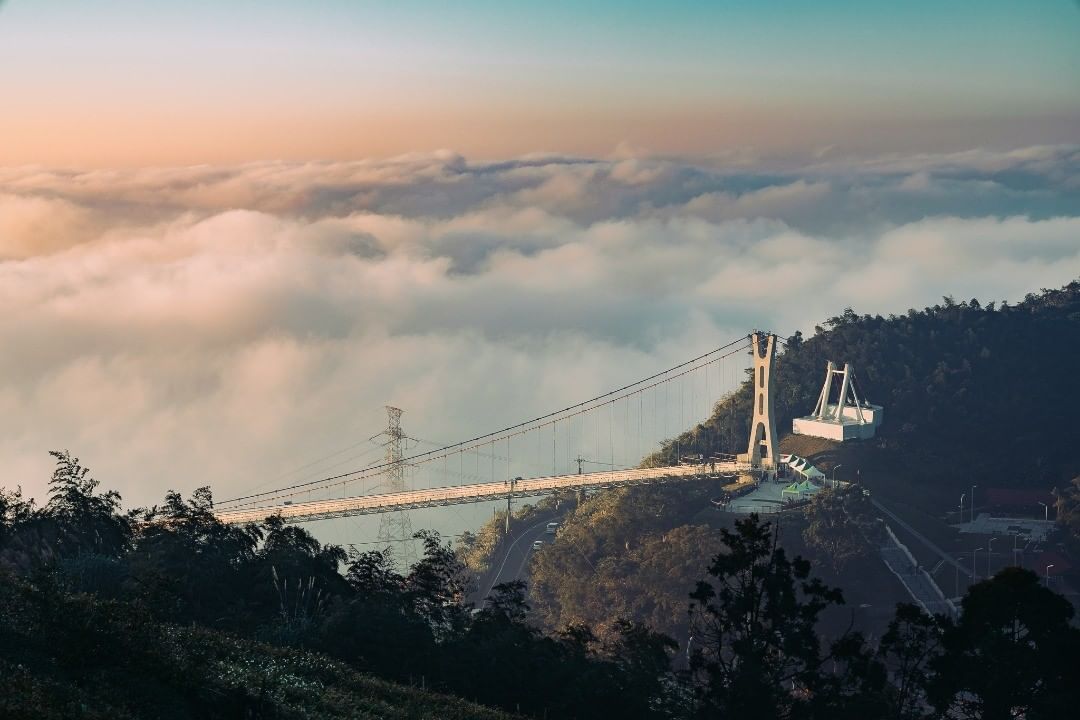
point(1067, 510)
point(372, 573)
point(642, 659)
point(14, 511)
point(376, 627)
point(86, 521)
point(842, 526)
point(507, 600)
point(852, 687)
point(436, 586)
point(908, 647)
point(1013, 653)
point(303, 574)
point(18, 548)
point(758, 653)
point(190, 567)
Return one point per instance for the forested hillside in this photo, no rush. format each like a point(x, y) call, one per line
point(969, 389)
point(972, 393)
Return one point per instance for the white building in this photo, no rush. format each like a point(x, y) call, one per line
point(849, 418)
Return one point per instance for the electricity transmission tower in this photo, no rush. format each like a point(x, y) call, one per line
point(395, 528)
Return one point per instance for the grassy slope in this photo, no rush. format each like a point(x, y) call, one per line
point(73, 656)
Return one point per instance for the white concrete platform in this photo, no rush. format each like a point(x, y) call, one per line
point(763, 499)
point(846, 428)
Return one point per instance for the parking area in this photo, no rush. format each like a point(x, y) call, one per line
point(1027, 528)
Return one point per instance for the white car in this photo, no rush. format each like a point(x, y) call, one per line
point(538, 544)
point(551, 528)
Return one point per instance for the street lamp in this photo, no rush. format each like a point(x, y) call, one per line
point(973, 502)
point(974, 574)
point(1046, 511)
point(962, 496)
point(1048, 574)
point(834, 473)
point(989, 554)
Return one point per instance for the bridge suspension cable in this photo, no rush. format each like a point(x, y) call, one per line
point(551, 419)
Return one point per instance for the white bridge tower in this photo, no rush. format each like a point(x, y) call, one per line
point(763, 448)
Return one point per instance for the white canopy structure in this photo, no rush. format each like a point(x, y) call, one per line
point(802, 467)
point(799, 491)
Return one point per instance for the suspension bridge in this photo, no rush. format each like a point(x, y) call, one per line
point(537, 457)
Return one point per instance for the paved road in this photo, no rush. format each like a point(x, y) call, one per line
point(512, 559)
point(947, 557)
point(919, 584)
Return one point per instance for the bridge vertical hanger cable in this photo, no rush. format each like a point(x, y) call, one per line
point(667, 409)
point(554, 428)
point(708, 413)
point(610, 435)
point(475, 444)
point(626, 431)
point(682, 420)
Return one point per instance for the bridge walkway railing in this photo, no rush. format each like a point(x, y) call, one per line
point(477, 492)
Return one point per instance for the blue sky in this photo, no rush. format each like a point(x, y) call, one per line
point(101, 81)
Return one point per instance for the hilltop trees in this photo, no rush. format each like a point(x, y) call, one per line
point(15, 512)
point(188, 567)
point(909, 646)
point(83, 520)
point(1013, 653)
point(842, 526)
point(758, 653)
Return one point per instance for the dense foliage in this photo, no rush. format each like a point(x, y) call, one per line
point(842, 527)
point(168, 613)
point(65, 655)
point(84, 581)
point(626, 553)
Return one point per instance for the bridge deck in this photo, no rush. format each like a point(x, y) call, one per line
point(479, 492)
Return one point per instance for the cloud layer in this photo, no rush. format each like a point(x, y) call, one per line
point(206, 325)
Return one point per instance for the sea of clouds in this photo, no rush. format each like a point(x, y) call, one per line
point(177, 327)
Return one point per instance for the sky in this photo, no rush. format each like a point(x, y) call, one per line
point(138, 82)
point(230, 233)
